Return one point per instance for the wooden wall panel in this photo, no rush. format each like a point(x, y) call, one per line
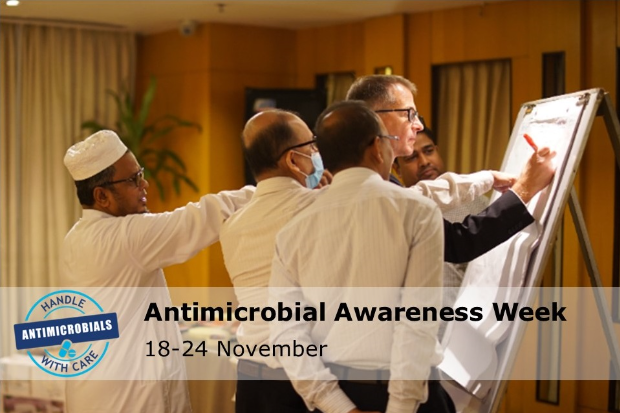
point(305, 58)
point(597, 174)
point(246, 49)
point(418, 64)
point(170, 53)
point(339, 48)
point(447, 36)
point(384, 44)
point(329, 49)
point(555, 27)
point(490, 31)
point(599, 160)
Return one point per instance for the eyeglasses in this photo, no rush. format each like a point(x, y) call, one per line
point(389, 137)
point(135, 179)
point(412, 114)
point(299, 145)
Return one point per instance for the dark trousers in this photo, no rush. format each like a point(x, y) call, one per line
point(255, 395)
point(267, 396)
point(374, 397)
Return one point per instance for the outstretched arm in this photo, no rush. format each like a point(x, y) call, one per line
point(505, 217)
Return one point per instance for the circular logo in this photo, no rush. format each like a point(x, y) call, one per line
point(72, 329)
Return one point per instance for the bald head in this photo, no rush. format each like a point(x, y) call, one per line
point(262, 121)
point(267, 135)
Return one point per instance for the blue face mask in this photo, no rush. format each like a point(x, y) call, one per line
point(314, 178)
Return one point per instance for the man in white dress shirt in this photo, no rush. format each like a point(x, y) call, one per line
point(279, 149)
point(118, 243)
point(361, 232)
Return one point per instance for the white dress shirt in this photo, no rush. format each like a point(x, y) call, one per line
point(248, 237)
point(361, 232)
point(450, 190)
point(106, 251)
point(248, 240)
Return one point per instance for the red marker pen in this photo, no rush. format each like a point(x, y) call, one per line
point(530, 141)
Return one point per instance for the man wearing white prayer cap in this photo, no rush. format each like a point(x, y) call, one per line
point(118, 243)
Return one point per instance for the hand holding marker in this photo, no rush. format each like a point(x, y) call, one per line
point(530, 141)
point(543, 152)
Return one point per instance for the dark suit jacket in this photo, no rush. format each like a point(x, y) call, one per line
point(480, 233)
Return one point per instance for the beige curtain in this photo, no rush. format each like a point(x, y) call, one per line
point(337, 86)
point(473, 116)
point(51, 80)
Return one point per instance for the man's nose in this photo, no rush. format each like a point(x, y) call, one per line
point(416, 125)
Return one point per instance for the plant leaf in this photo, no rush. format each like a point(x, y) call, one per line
point(181, 122)
point(176, 185)
point(172, 155)
point(163, 131)
point(189, 182)
point(158, 134)
point(161, 161)
point(126, 128)
point(145, 107)
point(182, 177)
point(160, 187)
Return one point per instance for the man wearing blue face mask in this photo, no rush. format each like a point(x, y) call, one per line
point(281, 152)
point(312, 180)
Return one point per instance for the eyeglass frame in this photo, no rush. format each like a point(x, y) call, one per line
point(299, 145)
point(388, 137)
point(411, 113)
point(136, 179)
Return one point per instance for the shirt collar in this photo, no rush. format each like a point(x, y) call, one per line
point(276, 184)
point(95, 214)
point(355, 175)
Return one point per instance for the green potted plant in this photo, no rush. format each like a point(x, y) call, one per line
point(140, 138)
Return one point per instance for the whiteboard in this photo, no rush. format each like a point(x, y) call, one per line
point(476, 354)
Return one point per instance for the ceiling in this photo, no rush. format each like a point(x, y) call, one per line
point(149, 17)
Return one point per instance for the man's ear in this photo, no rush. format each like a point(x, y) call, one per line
point(376, 151)
point(102, 197)
point(289, 160)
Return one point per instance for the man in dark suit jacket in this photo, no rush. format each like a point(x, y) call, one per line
point(392, 98)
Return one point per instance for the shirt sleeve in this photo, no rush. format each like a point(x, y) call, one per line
point(310, 377)
point(415, 348)
point(160, 240)
point(450, 190)
point(480, 233)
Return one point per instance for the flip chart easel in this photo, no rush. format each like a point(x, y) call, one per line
point(569, 118)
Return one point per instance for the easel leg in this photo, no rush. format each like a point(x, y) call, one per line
point(612, 125)
point(595, 280)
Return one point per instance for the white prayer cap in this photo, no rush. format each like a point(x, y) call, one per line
point(94, 154)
